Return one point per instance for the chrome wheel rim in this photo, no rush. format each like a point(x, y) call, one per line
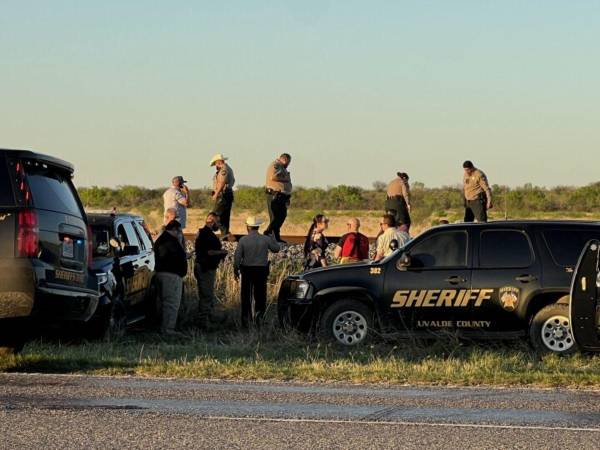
point(350, 328)
point(556, 334)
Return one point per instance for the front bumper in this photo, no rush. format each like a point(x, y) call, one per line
point(298, 313)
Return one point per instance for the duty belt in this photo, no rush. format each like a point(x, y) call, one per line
point(276, 193)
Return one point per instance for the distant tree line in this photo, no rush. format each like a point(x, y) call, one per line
point(527, 198)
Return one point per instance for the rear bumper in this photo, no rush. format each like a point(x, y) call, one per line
point(54, 303)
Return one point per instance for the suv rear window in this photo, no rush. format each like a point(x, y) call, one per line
point(504, 249)
point(52, 190)
point(566, 245)
point(6, 193)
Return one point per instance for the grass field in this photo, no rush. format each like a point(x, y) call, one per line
point(274, 356)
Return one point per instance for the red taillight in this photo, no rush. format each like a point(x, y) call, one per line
point(90, 246)
point(29, 234)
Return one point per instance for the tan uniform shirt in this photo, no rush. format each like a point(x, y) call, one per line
point(224, 175)
point(475, 184)
point(399, 187)
point(278, 178)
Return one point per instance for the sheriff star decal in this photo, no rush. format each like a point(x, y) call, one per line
point(509, 297)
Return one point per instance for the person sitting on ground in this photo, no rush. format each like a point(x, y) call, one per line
point(389, 233)
point(352, 246)
point(171, 266)
point(315, 246)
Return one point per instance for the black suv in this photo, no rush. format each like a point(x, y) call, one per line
point(492, 280)
point(44, 246)
point(124, 265)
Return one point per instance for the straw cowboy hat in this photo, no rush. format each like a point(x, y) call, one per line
point(217, 157)
point(254, 222)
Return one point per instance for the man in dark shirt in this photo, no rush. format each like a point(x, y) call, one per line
point(209, 254)
point(171, 267)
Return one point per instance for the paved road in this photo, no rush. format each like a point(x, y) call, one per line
point(49, 411)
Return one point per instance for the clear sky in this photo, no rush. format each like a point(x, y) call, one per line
point(134, 92)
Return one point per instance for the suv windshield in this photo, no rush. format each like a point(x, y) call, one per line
point(52, 190)
point(101, 241)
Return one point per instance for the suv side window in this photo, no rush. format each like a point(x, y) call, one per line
point(131, 236)
point(6, 192)
point(122, 235)
point(504, 249)
point(565, 246)
point(143, 236)
point(447, 249)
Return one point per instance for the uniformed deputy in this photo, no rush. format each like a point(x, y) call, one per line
point(477, 194)
point(279, 191)
point(222, 193)
point(251, 260)
point(397, 203)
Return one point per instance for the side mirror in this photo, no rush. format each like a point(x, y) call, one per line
point(131, 250)
point(404, 262)
point(394, 245)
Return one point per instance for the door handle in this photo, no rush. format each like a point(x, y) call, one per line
point(147, 261)
point(526, 278)
point(455, 279)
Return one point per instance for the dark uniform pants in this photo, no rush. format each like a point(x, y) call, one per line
point(222, 208)
point(476, 210)
point(278, 206)
point(396, 206)
point(254, 283)
point(206, 294)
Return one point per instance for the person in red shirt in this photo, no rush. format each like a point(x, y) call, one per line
point(353, 246)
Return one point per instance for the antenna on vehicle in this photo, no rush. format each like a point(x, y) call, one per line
point(506, 203)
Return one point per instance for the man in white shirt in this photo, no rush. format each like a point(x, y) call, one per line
point(389, 233)
point(177, 197)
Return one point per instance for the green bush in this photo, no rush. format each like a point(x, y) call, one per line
point(426, 201)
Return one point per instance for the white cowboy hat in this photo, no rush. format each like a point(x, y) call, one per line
point(254, 222)
point(217, 157)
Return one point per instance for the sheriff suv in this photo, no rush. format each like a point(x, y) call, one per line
point(44, 246)
point(491, 280)
point(123, 261)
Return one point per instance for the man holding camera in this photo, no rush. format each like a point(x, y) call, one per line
point(178, 198)
point(279, 191)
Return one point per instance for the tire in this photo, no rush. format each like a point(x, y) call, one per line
point(12, 348)
point(347, 322)
point(550, 331)
point(13, 338)
point(111, 322)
